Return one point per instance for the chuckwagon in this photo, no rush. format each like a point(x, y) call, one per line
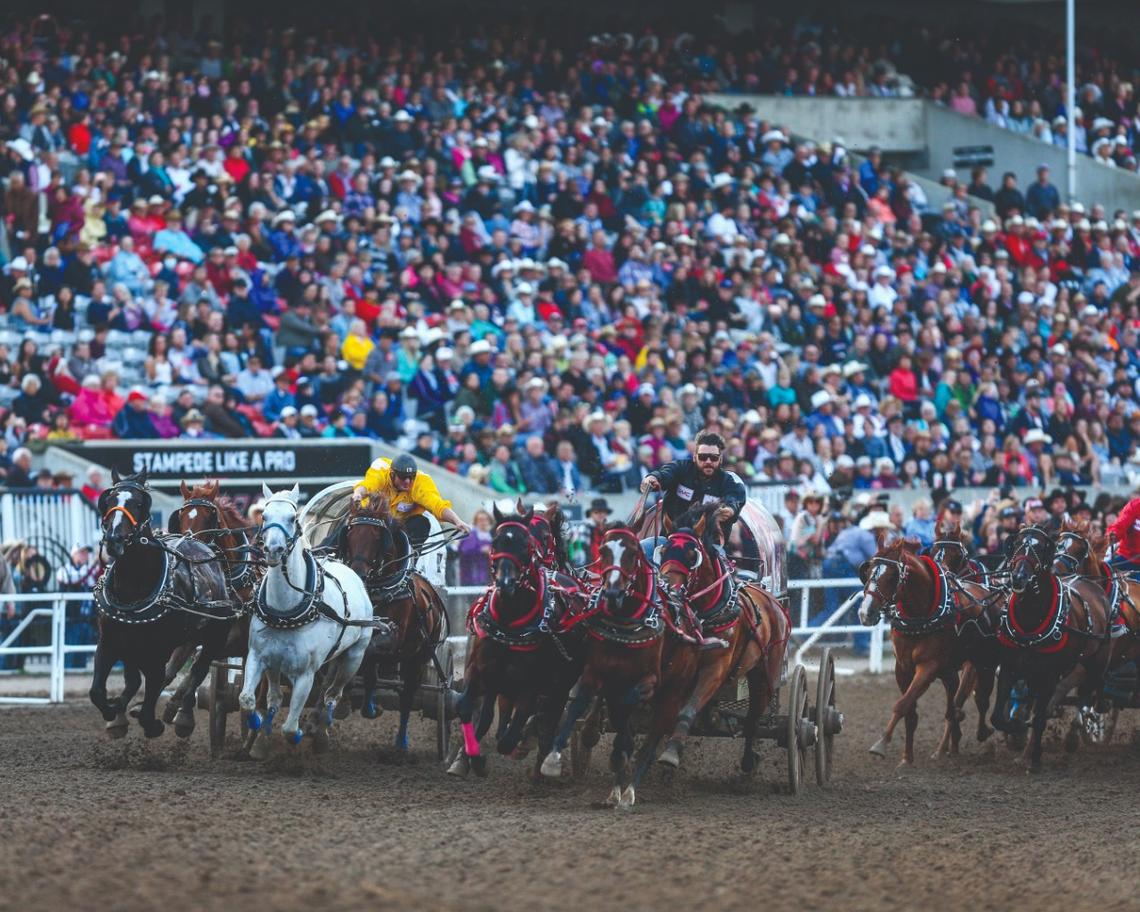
point(803, 723)
point(434, 699)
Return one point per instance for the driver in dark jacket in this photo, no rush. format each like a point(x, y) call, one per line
point(692, 482)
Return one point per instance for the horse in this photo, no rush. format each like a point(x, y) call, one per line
point(924, 606)
point(216, 521)
point(629, 659)
point(1054, 624)
point(1081, 554)
point(516, 656)
point(751, 620)
point(160, 592)
point(308, 612)
point(977, 639)
point(374, 544)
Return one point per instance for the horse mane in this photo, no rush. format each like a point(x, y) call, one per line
point(376, 508)
point(557, 522)
point(228, 513)
point(1076, 527)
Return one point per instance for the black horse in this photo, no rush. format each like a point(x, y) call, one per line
point(518, 657)
point(1054, 624)
point(160, 592)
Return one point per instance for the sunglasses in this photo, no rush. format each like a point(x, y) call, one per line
point(708, 457)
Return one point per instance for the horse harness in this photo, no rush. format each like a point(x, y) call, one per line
point(944, 611)
point(1053, 633)
point(165, 597)
point(239, 560)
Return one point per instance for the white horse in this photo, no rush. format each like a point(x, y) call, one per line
point(310, 612)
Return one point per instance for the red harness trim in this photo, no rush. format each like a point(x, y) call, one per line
point(1050, 617)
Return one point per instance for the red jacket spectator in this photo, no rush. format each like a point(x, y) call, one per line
point(1126, 531)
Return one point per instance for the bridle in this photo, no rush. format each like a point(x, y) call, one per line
point(1032, 543)
point(879, 565)
point(939, 547)
point(678, 539)
point(213, 531)
point(290, 537)
point(628, 578)
point(136, 522)
point(1067, 559)
point(373, 522)
point(525, 566)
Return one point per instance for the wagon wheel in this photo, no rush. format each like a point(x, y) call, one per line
point(443, 708)
point(828, 719)
point(219, 683)
point(796, 742)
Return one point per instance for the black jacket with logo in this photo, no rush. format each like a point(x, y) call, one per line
point(685, 487)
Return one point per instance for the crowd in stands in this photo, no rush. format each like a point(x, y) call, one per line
point(540, 260)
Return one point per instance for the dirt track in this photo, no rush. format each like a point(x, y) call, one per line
point(88, 823)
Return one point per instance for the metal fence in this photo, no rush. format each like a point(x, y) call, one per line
point(50, 609)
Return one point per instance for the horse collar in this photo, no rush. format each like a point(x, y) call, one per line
point(943, 607)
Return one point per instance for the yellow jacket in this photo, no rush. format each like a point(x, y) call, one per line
point(356, 350)
point(424, 495)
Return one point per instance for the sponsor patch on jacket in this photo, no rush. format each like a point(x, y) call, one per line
point(684, 493)
point(405, 507)
point(709, 498)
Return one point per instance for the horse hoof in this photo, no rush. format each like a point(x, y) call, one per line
point(184, 731)
point(552, 766)
point(613, 799)
point(117, 727)
point(984, 733)
point(154, 729)
point(479, 765)
point(170, 711)
point(343, 710)
point(748, 762)
point(259, 750)
point(670, 757)
point(253, 721)
point(460, 767)
point(295, 738)
point(879, 748)
point(369, 711)
point(627, 798)
point(905, 765)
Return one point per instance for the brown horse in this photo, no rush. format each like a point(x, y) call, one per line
point(377, 548)
point(1054, 624)
point(752, 621)
point(629, 660)
point(216, 520)
point(517, 655)
point(923, 608)
point(977, 630)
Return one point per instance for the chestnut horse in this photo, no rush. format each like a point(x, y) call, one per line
point(377, 548)
point(751, 620)
point(977, 637)
point(1054, 624)
point(923, 607)
point(629, 660)
point(516, 655)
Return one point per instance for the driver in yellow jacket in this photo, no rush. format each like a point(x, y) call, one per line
point(410, 493)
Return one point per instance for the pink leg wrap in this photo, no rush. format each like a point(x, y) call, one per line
point(470, 742)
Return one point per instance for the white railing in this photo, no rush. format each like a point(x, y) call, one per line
point(53, 606)
point(60, 517)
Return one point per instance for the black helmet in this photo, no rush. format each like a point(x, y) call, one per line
point(404, 465)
